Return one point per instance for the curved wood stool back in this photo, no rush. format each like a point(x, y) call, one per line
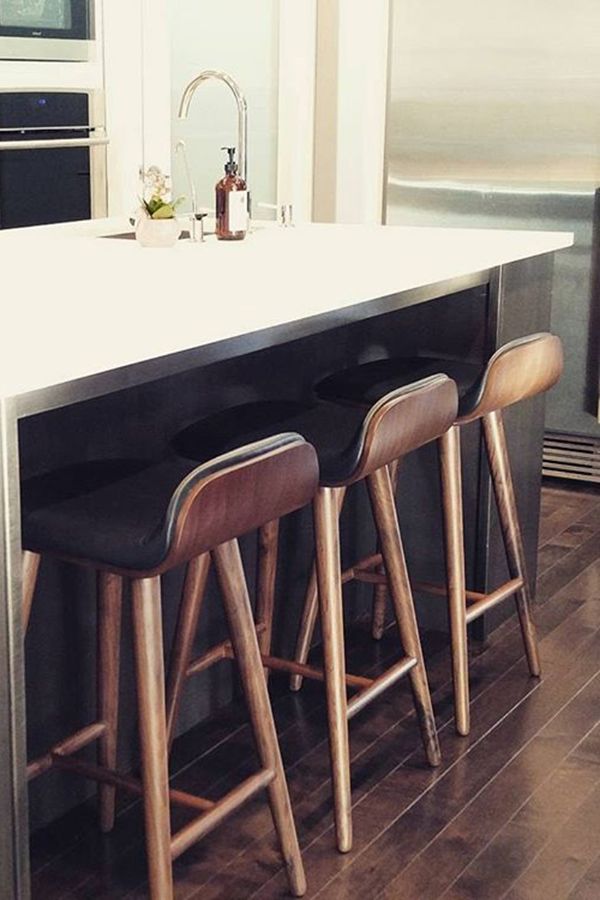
point(520, 369)
point(207, 511)
point(400, 422)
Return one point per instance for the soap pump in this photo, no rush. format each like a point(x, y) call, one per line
point(231, 202)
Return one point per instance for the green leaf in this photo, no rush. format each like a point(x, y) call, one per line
point(165, 211)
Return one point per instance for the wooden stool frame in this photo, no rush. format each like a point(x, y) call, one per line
point(190, 529)
point(523, 368)
point(388, 430)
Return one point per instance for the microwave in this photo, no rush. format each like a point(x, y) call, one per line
point(47, 29)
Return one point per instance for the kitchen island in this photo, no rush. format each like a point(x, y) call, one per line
point(89, 314)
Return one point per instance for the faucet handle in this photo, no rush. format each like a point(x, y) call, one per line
point(285, 213)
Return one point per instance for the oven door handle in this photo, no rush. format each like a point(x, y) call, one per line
point(52, 143)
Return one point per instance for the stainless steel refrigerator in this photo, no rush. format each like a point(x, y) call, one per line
point(494, 121)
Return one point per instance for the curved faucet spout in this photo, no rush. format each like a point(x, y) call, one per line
point(242, 108)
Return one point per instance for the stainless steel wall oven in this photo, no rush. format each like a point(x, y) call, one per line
point(47, 29)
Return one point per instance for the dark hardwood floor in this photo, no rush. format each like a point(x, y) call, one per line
point(513, 812)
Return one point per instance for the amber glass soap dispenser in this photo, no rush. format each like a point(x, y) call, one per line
point(231, 202)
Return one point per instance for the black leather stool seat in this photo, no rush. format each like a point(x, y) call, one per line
point(333, 430)
point(112, 511)
point(363, 385)
point(77, 478)
point(336, 431)
point(126, 523)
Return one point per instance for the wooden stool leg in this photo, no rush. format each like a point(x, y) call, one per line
point(243, 638)
point(307, 626)
point(450, 470)
point(31, 565)
point(384, 512)
point(187, 625)
point(147, 632)
point(268, 540)
point(110, 594)
point(497, 451)
point(326, 512)
point(309, 613)
point(380, 593)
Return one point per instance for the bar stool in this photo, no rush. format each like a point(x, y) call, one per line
point(520, 369)
point(141, 527)
point(58, 486)
point(351, 447)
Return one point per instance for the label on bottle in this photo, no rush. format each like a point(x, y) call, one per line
point(237, 211)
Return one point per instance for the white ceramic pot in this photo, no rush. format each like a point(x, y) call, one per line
point(157, 232)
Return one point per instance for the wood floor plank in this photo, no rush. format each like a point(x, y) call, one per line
point(555, 871)
point(568, 567)
point(570, 509)
point(549, 555)
point(390, 795)
point(432, 872)
point(411, 828)
point(554, 613)
point(592, 516)
point(588, 886)
point(575, 535)
point(316, 810)
point(313, 812)
point(535, 823)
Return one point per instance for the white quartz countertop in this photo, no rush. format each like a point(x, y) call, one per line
point(77, 304)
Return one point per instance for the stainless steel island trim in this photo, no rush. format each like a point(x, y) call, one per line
point(142, 372)
point(14, 837)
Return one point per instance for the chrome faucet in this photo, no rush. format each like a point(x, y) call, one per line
point(242, 108)
point(196, 219)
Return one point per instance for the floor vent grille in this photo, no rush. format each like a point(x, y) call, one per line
point(571, 456)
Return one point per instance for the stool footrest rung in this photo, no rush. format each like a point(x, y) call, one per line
point(440, 590)
point(71, 744)
point(222, 808)
point(370, 577)
point(126, 782)
point(224, 650)
point(490, 600)
point(355, 572)
point(380, 684)
point(296, 668)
